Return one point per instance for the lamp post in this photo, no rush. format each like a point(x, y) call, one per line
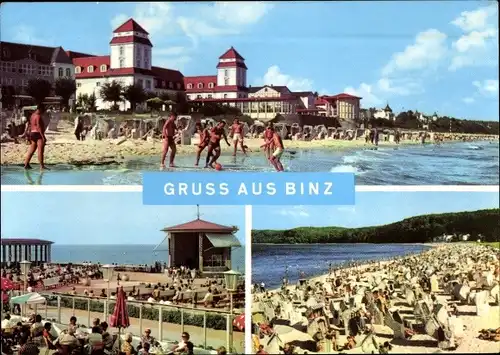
point(25, 268)
point(231, 279)
point(108, 275)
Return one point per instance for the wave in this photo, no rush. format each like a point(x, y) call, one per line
point(345, 169)
point(474, 147)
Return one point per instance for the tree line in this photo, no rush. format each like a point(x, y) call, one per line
point(483, 224)
point(443, 124)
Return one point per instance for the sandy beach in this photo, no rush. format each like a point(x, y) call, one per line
point(467, 342)
point(63, 148)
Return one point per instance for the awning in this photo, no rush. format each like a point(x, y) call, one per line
point(223, 240)
point(29, 298)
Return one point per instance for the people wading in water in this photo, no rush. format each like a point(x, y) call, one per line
point(279, 148)
point(268, 137)
point(214, 149)
point(237, 134)
point(36, 135)
point(168, 134)
point(204, 134)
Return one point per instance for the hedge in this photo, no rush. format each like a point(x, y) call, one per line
point(214, 321)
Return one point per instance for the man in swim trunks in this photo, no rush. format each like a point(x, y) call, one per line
point(168, 134)
point(204, 134)
point(277, 144)
point(216, 134)
point(237, 133)
point(36, 136)
point(268, 137)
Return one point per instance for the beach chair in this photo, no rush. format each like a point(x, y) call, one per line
point(481, 302)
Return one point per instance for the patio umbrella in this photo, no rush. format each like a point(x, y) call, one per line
point(119, 319)
point(28, 298)
point(239, 322)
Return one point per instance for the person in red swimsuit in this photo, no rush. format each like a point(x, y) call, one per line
point(214, 150)
point(238, 135)
point(268, 139)
point(204, 134)
point(36, 136)
point(168, 134)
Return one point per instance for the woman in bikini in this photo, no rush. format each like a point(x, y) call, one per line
point(36, 135)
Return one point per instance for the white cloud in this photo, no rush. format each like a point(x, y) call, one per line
point(366, 92)
point(154, 17)
point(400, 87)
point(478, 46)
point(195, 28)
point(174, 62)
point(468, 100)
point(274, 76)
point(295, 211)
point(241, 13)
point(487, 87)
point(429, 49)
point(475, 20)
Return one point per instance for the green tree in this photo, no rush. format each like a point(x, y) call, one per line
point(65, 87)
point(91, 102)
point(112, 92)
point(135, 94)
point(8, 99)
point(39, 89)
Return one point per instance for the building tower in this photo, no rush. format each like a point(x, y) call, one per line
point(130, 47)
point(231, 70)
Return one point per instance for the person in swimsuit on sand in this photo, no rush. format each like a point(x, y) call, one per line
point(216, 135)
point(204, 134)
point(36, 136)
point(277, 143)
point(237, 133)
point(268, 137)
point(168, 134)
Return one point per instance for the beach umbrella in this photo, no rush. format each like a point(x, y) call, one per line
point(239, 322)
point(119, 319)
point(7, 284)
point(289, 334)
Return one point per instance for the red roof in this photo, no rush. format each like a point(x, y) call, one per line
point(320, 101)
point(231, 53)
point(130, 26)
point(199, 225)
point(131, 39)
point(231, 65)
point(165, 76)
point(24, 241)
point(250, 99)
point(204, 80)
point(74, 55)
point(343, 96)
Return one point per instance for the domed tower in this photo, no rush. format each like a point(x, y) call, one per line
point(130, 47)
point(231, 70)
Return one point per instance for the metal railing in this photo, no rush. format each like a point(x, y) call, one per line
point(139, 311)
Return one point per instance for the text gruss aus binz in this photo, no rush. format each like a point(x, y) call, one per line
point(244, 189)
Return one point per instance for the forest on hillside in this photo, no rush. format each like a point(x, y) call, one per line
point(420, 229)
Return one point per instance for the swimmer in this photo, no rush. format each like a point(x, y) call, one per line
point(237, 134)
point(214, 149)
point(168, 134)
point(279, 148)
point(36, 135)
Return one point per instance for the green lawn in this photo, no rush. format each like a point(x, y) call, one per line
point(492, 244)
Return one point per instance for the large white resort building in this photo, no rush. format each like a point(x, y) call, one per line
point(130, 62)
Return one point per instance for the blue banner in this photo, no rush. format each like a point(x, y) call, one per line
point(248, 188)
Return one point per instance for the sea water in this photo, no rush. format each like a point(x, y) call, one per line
point(460, 163)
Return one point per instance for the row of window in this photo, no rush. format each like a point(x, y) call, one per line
point(13, 82)
point(201, 85)
point(164, 84)
point(90, 69)
point(27, 69)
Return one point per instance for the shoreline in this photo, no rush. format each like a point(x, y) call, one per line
point(363, 265)
point(63, 148)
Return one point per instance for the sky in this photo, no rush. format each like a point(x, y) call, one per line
point(372, 208)
point(434, 56)
point(102, 217)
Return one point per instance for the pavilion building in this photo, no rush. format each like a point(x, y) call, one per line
point(200, 245)
point(15, 250)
